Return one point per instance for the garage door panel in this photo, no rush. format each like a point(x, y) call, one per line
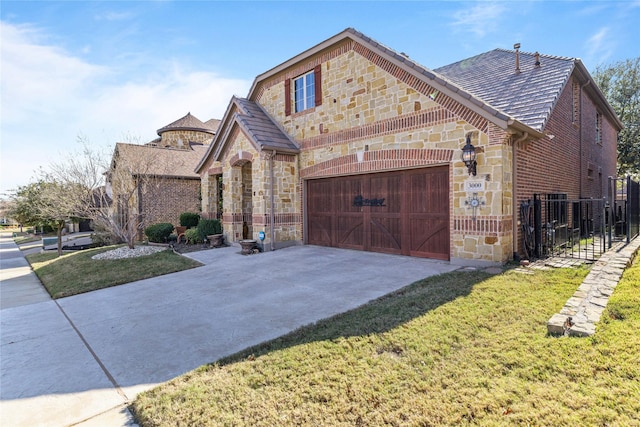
point(386, 235)
point(319, 229)
point(386, 192)
point(347, 190)
point(319, 199)
point(429, 237)
point(404, 212)
point(349, 231)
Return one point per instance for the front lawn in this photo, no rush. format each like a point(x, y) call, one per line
point(76, 272)
point(456, 349)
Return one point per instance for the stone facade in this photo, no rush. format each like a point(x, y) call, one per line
point(376, 114)
point(181, 138)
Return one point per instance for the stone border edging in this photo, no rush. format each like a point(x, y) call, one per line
point(582, 311)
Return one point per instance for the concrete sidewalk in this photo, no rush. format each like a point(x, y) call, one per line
point(18, 283)
point(83, 358)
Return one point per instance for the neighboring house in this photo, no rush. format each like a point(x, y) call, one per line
point(156, 182)
point(350, 144)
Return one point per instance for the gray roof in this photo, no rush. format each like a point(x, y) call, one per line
point(528, 96)
point(262, 131)
point(159, 161)
point(189, 122)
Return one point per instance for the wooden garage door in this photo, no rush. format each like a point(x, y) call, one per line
point(405, 212)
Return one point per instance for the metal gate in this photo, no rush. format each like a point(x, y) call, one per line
point(553, 225)
point(625, 216)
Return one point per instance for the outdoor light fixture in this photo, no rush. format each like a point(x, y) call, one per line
point(469, 156)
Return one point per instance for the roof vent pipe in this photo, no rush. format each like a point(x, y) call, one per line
point(516, 47)
point(537, 55)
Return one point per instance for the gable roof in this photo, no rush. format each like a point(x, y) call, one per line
point(483, 84)
point(190, 122)
point(529, 95)
point(157, 161)
point(439, 82)
point(263, 132)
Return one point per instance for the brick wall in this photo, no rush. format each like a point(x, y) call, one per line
point(572, 162)
point(164, 200)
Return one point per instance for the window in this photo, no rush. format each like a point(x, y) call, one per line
point(304, 92)
point(576, 103)
point(598, 128)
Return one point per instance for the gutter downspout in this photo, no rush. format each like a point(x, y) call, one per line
point(272, 214)
point(514, 195)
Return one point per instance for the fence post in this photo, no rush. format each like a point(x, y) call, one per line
point(537, 225)
point(627, 213)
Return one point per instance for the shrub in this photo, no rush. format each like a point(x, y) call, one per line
point(189, 219)
point(192, 236)
point(158, 233)
point(102, 236)
point(207, 227)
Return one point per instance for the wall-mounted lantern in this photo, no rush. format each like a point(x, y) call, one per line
point(469, 156)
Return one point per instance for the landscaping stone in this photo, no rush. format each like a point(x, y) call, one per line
point(590, 299)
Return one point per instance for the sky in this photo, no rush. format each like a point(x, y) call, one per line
point(117, 71)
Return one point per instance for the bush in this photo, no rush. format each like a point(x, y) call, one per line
point(189, 219)
point(159, 233)
point(102, 236)
point(192, 236)
point(207, 227)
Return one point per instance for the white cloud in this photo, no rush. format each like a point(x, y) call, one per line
point(599, 46)
point(114, 16)
point(48, 97)
point(479, 19)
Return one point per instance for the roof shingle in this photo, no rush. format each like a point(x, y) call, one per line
point(263, 131)
point(167, 162)
point(528, 96)
point(189, 122)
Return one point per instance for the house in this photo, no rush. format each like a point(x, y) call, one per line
point(156, 182)
point(350, 144)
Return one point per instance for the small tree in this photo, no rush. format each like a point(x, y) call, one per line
point(49, 202)
point(115, 183)
point(620, 83)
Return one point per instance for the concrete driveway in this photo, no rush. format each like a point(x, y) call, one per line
point(71, 360)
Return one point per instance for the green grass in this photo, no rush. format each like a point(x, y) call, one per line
point(29, 238)
point(457, 349)
point(76, 272)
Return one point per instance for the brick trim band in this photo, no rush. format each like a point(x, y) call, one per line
point(482, 225)
point(379, 160)
point(240, 158)
point(406, 122)
point(418, 84)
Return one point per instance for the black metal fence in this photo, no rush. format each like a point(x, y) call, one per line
point(563, 227)
point(625, 196)
point(553, 225)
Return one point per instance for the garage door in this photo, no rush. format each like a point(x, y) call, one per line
point(404, 212)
